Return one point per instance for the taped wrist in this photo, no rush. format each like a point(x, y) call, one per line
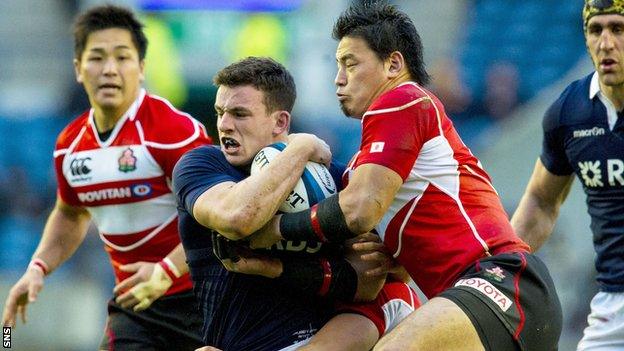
point(330, 278)
point(324, 222)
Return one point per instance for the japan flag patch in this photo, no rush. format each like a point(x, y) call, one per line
point(377, 146)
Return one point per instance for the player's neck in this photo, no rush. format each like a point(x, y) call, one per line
point(389, 85)
point(615, 94)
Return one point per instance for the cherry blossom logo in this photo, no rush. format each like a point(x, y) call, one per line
point(495, 273)
point(591, 173)
point(127, 161)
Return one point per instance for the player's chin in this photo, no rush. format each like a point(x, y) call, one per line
point(349, 112)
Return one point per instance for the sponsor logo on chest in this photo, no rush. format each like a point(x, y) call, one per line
point(139, 190)
point(591, 173)
point(111, 164)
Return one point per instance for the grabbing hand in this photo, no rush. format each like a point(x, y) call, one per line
point(318, 148)
point(21, 294)
point(370, 249)
point(238, 258)
point(148, 284)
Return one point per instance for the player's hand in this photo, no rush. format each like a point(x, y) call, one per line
point(266, 236)
point(208, 348)
point(317, 147)
point(372, 250)
point(239, 258)
point(21, 294)
point(143, 294)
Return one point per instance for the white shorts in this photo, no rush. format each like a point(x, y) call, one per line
point(299, 344)
point(605, 331)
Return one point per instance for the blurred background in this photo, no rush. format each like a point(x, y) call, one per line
point(496, 65)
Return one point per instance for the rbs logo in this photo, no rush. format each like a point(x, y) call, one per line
point(592, 176)
point(79, 167)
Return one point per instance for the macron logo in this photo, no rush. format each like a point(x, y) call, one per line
point(377, 146)
point(582, 133)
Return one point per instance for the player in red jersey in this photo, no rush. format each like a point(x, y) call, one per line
point(421, 189)
point(114, 165)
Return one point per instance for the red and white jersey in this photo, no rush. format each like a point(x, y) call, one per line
point(124, 182)
point(393, 303)
point(446, 215)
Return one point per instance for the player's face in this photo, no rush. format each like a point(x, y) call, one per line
point(361, 76)
point(244, 124)
point(604, 37)
point(110, 70)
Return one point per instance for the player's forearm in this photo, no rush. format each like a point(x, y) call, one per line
point(534, 221)
point(64, 231)
point(253, 201)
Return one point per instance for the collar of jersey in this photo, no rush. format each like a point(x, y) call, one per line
point(129, 115)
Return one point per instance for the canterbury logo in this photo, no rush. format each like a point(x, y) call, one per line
point(79, 167)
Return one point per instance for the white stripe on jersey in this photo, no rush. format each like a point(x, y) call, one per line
point(395, 311)
point(398, 108)
point(95, 159)
point(71, 146)
point(133, 246)
point(133, 217)
point(168, 146)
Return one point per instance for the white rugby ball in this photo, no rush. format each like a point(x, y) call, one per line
point(315, 184)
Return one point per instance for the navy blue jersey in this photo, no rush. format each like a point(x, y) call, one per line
point(577, 138)
point(241, 312)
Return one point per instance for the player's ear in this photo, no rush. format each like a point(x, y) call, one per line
point(395, 64)
point(77, 71)
point(282, 122)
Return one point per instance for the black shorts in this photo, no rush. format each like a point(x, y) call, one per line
point(171, 323)
point(511, 301)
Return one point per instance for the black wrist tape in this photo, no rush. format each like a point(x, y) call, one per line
point(323, 222)
point(312, 278)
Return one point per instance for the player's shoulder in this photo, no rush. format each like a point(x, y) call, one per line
point(401, 97)
point(164, 125)
point(574, 105)
point(203, 155)
point(71, 131)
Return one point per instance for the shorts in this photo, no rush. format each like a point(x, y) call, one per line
point(395, 301)
point(512, 303)
point(605, 331)
point(171, 323)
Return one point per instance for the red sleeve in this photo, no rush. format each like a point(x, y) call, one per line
point(168, 157)
point(393, 136)
point(378, 310)
point(64, 191)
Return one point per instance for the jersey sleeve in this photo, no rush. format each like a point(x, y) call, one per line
point(63, 190)
point(553, 154)
point(168, 156)
point(393, 137)
point(336, 169)
point(395, 302)
point(197, 171)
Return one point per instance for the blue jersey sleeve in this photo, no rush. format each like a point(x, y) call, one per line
point(197, 171)
point(553, 154)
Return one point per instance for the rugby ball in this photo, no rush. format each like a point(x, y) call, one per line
point(315, 184)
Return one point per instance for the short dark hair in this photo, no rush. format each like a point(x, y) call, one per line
point(105, 17)
point(264, 74)
point(385, 29)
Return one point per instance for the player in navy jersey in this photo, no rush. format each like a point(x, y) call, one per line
point(584, 135)
point(425, 194)
point(113, 165)
point(217, 194)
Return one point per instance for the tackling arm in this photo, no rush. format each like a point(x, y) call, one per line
point(538, 210)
